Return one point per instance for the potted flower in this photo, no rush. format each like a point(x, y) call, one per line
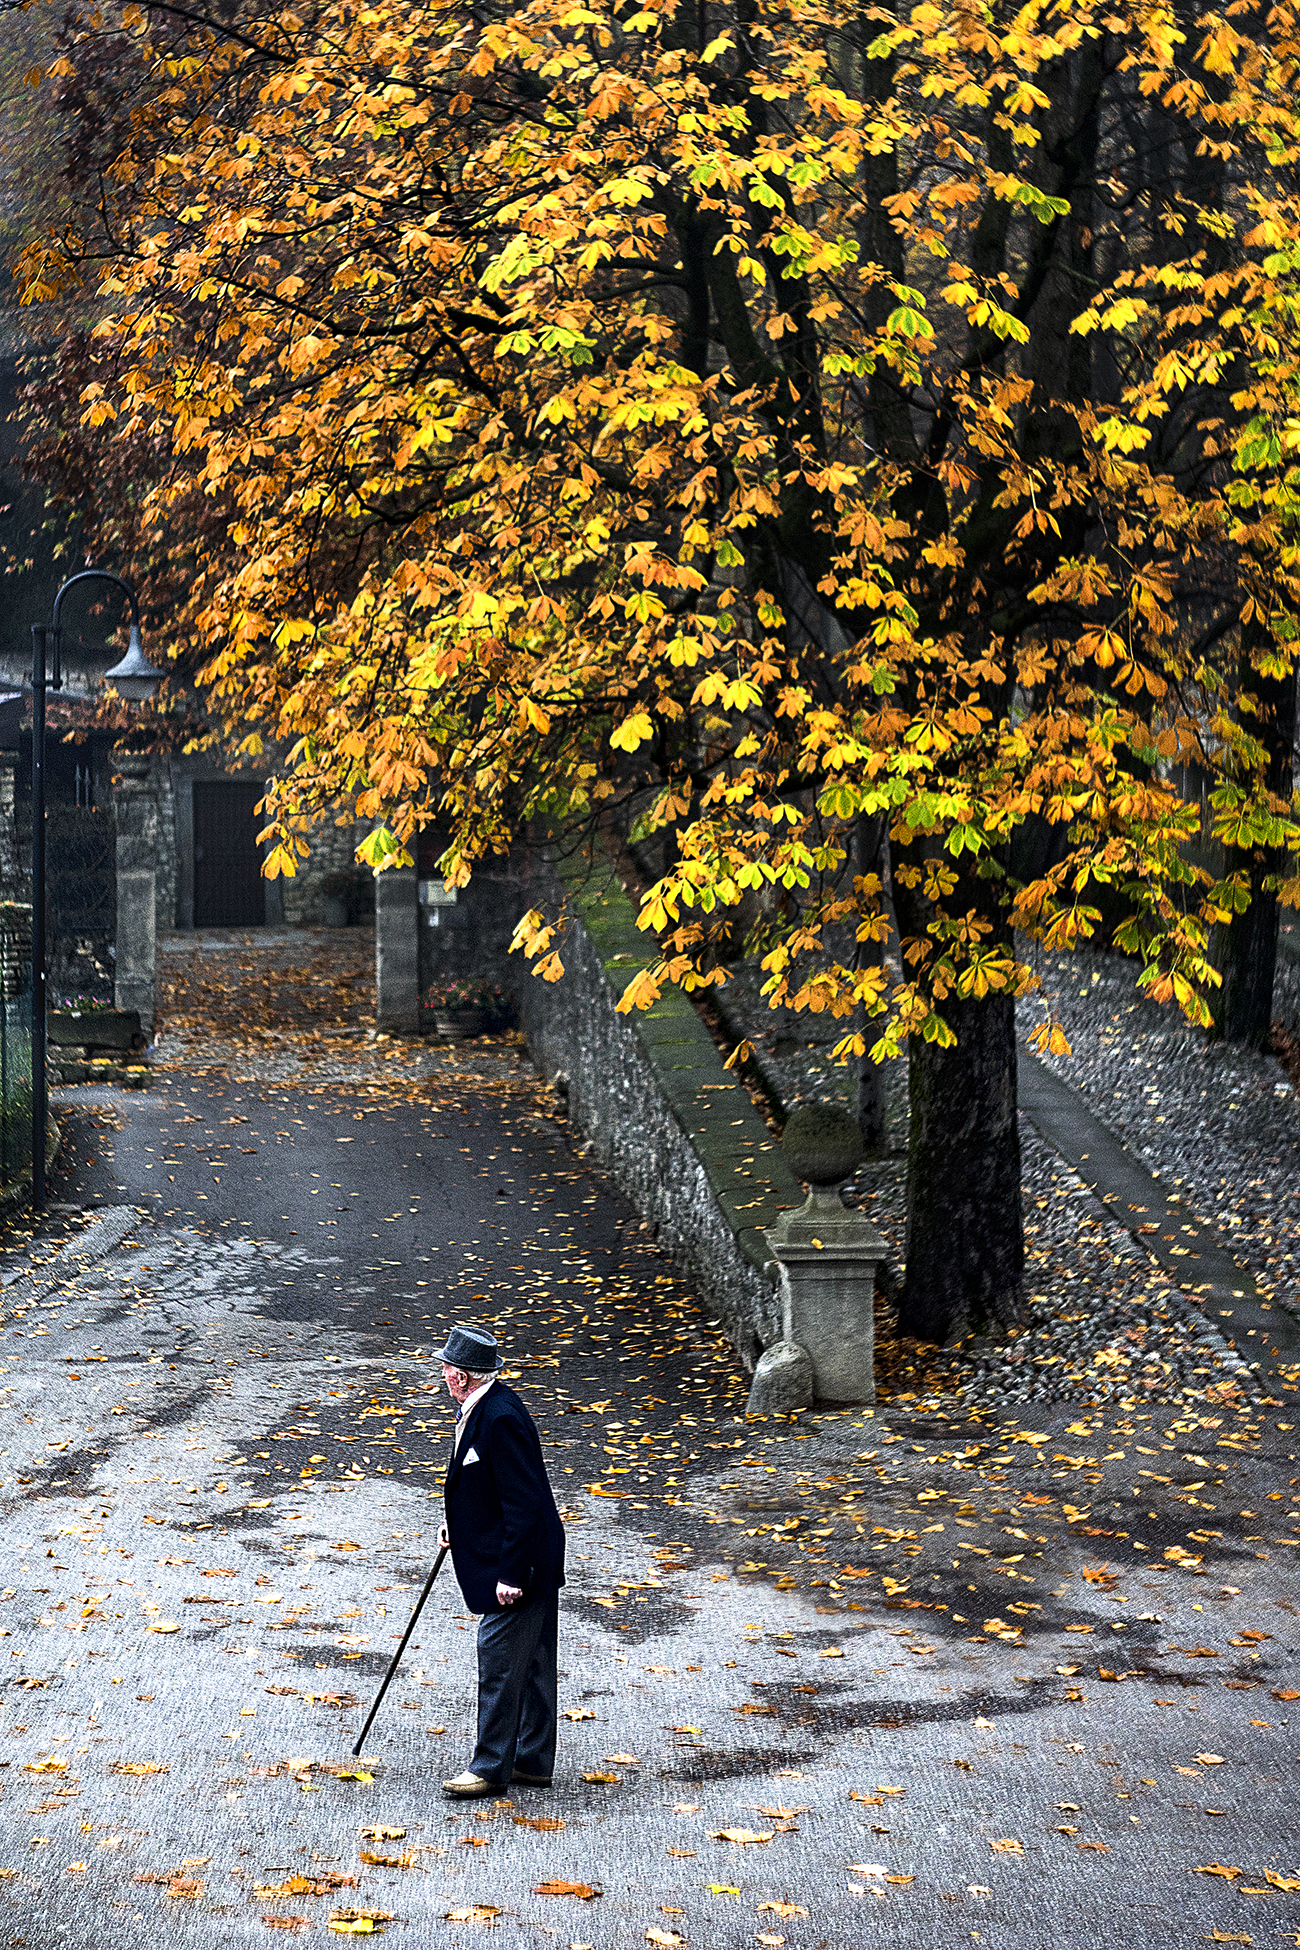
point(468, 1008)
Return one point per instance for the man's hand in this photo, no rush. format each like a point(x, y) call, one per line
point(444, 1538)
point(508, 1594)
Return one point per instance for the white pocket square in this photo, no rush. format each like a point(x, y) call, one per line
point(471, 1455)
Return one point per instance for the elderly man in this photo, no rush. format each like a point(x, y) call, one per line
point(507, 1549)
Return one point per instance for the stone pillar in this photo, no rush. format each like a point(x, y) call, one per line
point(14, 877)
point(826, 1256)
point(136, 807)
point(397, 951)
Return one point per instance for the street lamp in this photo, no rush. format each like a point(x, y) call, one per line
point(136, 680)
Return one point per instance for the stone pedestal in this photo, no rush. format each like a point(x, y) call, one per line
point(828, 1257)
point(136, 965)
point(397, 951)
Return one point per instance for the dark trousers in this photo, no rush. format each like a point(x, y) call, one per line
point(516, 1689)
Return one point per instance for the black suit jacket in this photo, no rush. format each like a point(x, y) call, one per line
point(501, 1514)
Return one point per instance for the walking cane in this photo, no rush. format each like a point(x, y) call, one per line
point(379, 1696)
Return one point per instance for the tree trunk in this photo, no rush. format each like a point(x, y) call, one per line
point(1245, 950)
point(965, 1229)
point(1246, 955)
point(869, 846)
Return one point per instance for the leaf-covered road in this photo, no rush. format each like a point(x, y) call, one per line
point(853, 1677)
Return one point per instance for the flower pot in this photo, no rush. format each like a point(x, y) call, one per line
point(335, 912)
point(457, 1025)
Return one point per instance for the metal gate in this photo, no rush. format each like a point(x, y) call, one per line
point(229, 891)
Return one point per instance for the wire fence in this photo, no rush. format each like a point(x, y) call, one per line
point(15, 1039)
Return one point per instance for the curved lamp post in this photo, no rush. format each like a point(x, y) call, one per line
point(136, 679)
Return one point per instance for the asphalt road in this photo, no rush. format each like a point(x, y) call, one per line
point(221, 1463)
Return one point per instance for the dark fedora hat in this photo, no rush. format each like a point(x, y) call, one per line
point(472, 1348)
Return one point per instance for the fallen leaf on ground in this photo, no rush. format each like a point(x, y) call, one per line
point(831, 1652)
point(742, 1835)
point(1216, 1869)
point(322, 1882)
point(685, 1853)
point(1290, 1885)
point(139, 1767)
point(555, 1887)
point(579, 1712)
point(668, 1938)
point(780, 1814)
point(603, 1779)
point(407, 1860)
point(769, 1938)
point(166, 1625)
point(623, 1760)
point(473, 1913)
point(786, 1908)
point(381, 1832)
point(50, 1766)
point(1285, 1692)
point(1007, 1846)
point(285, 1922)
point(1211, 1760)
point(358, 1922)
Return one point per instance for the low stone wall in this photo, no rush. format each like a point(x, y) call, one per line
point(672, 1127)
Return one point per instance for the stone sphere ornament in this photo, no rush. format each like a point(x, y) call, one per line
point(822, 1144)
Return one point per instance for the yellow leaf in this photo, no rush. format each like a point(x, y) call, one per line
point(632, 732)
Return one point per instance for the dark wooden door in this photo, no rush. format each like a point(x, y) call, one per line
point(229, 891)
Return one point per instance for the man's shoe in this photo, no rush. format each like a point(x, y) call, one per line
point(530, 1780)
point(470, 1787)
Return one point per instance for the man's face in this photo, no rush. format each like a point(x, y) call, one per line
point(457, 1382)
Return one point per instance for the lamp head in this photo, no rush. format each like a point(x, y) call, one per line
point(134, 678)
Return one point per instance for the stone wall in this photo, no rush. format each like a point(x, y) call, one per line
point(672, 1127)
point(333, 849)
